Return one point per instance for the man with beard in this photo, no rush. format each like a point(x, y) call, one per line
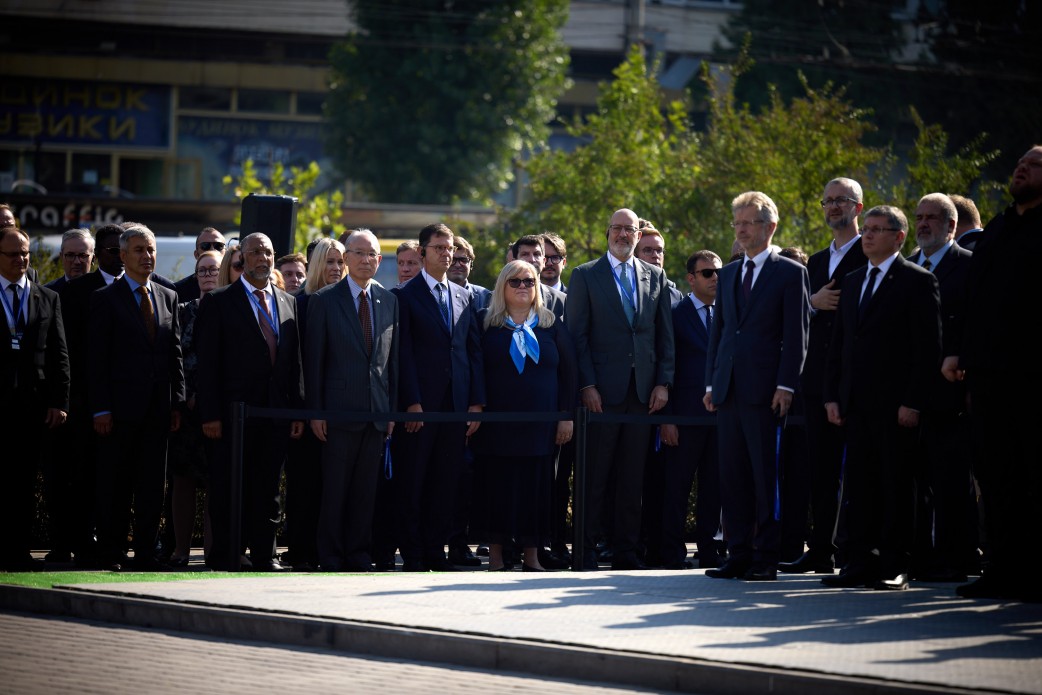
point(995, 355)
point(249, 351)
point(817, 476)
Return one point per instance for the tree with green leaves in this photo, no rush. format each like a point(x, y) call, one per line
point(317, 214)
point(433, 101)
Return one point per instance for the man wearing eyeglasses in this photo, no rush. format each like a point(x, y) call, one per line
point(208, 240)
point(77, 254)
point(441, 370)
point(459, 273)
point(652, 249)
point(34, 390)
point(814, 480)
point(877, 393)
point(756, 350)
point(556, 255)
point(619, 313)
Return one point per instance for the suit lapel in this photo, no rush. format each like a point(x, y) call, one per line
point(459, 298)
point(125, 298)
point(643, 287)
point(347, 307)
point(246, 310)
point(608, 281)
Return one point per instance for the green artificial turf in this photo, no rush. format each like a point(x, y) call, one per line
point(47, 580)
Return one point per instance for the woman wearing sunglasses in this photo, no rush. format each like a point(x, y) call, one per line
point(530, 365)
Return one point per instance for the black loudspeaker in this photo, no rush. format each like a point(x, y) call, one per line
point(272, 215)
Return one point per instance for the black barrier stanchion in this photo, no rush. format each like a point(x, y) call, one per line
point(579, 493)
point(235, 498)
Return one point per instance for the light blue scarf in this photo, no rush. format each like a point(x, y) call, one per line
point(523, 341)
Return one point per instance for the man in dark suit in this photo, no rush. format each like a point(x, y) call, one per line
point(77, 254)
point(459, 273)
point(75, 298)
point(34, 389)
point(352, 347)
point(64, 449)
point(756, 350)
point(441, 369)
point(814, 480)
point(249, 351)
point(990, 355)
point(136, 390)
point(619, 314)
point(946, 520)
point(208, 240)
point(691, 448)
point(886, 345)
point(652, 249)
point(530, 248)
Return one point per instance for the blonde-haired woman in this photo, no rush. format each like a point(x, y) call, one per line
point(530, 365)
point(231, 267)
point(303, 476)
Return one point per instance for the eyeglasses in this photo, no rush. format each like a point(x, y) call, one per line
point(619, 228)
point(441, 248)
point(837, 202)
point(76, 256)
point(460, 260)
point(554, 260)
point(207, 272)
point(742, 224)
point(877, 230)
point(707, 272)
point(15, 254)
point(650, 251)
point(371, 255)
point(211, 246)
point(521, 282)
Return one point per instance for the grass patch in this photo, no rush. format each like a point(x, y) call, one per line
point(48, 580)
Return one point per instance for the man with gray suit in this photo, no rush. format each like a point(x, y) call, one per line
point(352, 346)
point(619, 312)
point(756, 350)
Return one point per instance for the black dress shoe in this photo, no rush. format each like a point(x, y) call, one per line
point(551, 560)
point(482, 551)
point(729, 570)
point(941, 576)
point(899, 582)
point(761, 574)
point(623, 563)
point(809, 562)
point(442, 566)
point(57, 556)
point(988, 586)
point(590, 563)
point(849, 580)
point(682, 565)
point(529, 568)
point(413, 566)
point(463, 557)
point(269, 566)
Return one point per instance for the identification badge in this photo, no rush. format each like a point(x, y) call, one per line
point(15, 343)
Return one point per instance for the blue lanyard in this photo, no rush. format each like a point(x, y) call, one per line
point(22, 310)
point(622, 290)
point(268, 316)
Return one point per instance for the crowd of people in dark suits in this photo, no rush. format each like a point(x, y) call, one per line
point(854, 409)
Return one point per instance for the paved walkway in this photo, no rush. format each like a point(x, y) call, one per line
point(658, 629)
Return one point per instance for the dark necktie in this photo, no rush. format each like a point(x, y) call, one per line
point(709, 317)
point(927, 264)
point(265, 325)
point(747, 281)
point(443, 304)
point(627, 287)
point(867, 296)
point(147, 314)
point(16, 307)
point(366, 321)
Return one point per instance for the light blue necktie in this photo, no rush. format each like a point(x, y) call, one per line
point(627, 287)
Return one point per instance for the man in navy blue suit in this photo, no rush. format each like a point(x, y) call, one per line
point(756, 350)
point(440, 369)
point(691, 448)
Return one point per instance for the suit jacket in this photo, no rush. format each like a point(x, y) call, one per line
point(126, 370)
point(692, 344)
point(480, 296)
point(37, 375)
point(234, 363)
point(759, 344)
point(58, 284)
point(812, 381)
point(187, 288)
point(436, 367)
point(888, 357)
point(342, 376)
point(675, 295)
point(554, 300)
point(75, 299)
point(608, 347)
point(952, 273)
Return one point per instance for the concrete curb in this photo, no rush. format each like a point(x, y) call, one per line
point(554, 660)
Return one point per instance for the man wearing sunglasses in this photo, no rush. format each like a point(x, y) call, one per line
point(208, 240)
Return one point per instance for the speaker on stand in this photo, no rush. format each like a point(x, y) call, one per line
point(272, 215)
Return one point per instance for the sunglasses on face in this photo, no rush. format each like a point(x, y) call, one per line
point(521, 282)
point(211, 246)
point(707, 272)
point(238, 265)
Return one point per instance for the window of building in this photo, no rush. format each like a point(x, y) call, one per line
point(205, 98)
point(310, 103)
point(263, 101)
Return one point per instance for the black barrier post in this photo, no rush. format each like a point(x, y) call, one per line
point(579, 493)
point(235, 498)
